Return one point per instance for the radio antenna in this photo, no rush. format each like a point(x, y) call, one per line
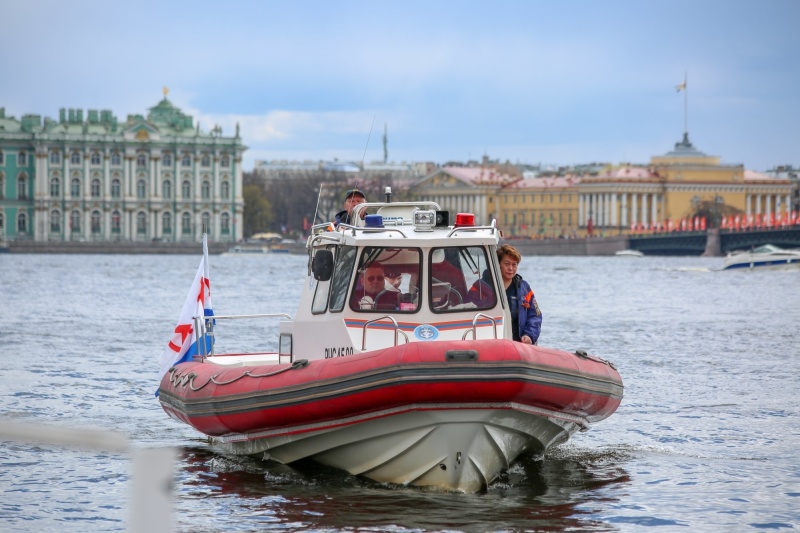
point(365, 148)
point(316, 210)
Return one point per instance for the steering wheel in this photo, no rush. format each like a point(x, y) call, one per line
point(378, 298)
point(450, 291)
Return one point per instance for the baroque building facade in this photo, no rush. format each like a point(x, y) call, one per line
point(157, 177)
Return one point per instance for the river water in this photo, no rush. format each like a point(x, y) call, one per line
point(706, 438)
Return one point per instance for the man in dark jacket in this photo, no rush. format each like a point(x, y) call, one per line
point(352, 198)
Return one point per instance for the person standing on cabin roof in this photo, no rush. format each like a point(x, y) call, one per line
point(352, 198)
point(526, 318)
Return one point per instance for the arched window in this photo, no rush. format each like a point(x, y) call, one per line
point(95, 222)
point(206, 218)
point(75, 188)
point(22, 159)
point(205, 161)
point(166, 223)
point(2, 185)
point(75, 222)
point(167, 160)
point(55, 187)
point(225, 190)
point(116, 159)
point(75, 158)
point(2, 221)
point(141, 223)
point(22, 187)
point(55, 221)
point(115, 188)
point(55, 157)
point(225, 223)
point(206, 190)
point(186, 224)
point(95, 159)
point(22, 223)
point(186, 190)
point(115, 222)
point(2, 158)
point(95, 188)
point(186, 160)
point(141, 188)
point(225, 162)
point(167, 190)
point(141, 161)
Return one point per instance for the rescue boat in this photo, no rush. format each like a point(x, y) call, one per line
point(418, 383)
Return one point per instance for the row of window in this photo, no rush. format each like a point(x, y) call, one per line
point(116, 189)
point(543, 218)
point(388, 279)
point(95, 159)
point(542, 197)
point(116, 225)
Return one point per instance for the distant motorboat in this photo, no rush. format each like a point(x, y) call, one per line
point(629, 253)
point(766, 257)
point(248, 250)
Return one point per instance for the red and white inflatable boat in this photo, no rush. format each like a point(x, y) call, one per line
point(418, 384)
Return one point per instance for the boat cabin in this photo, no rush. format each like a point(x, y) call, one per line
point(401, 273)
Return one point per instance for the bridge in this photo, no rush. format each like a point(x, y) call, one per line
point(696, 242)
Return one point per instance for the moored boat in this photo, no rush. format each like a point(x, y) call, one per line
point(629, 253)
point(415, 383)
point(765, 257)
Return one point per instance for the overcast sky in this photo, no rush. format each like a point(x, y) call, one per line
point(548, 82)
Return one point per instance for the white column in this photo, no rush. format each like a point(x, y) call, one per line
point(106, 193)
point(654, 210)
point(154, 174)
point(644, 208)
point(634, 209)
point(624, 218)
point(127, 177)
point(614, 211)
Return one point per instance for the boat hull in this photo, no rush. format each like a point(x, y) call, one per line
point(450, 415)
point(790, 263)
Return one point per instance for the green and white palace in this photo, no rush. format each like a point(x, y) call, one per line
point(94, 179)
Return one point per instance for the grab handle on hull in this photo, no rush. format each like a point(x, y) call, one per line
point(475, 325)
point(396, 331)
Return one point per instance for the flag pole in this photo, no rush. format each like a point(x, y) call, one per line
point(685, 106)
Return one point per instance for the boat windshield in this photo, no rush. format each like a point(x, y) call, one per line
point(387, 280)
point(460, 279)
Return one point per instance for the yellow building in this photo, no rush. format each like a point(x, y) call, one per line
point(464, 190)
point(672, 187)
point(544, 207)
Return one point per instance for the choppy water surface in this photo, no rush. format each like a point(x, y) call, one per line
point(706, 438)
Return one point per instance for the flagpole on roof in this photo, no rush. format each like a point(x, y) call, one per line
point(685, 106)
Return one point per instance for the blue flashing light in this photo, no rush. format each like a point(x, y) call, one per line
point(374, 221)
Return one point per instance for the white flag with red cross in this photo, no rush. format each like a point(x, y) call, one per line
point(184, 345)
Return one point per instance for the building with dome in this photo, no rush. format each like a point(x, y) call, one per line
point(94, 178)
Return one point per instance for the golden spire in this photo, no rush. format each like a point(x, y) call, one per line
point(165, 90)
